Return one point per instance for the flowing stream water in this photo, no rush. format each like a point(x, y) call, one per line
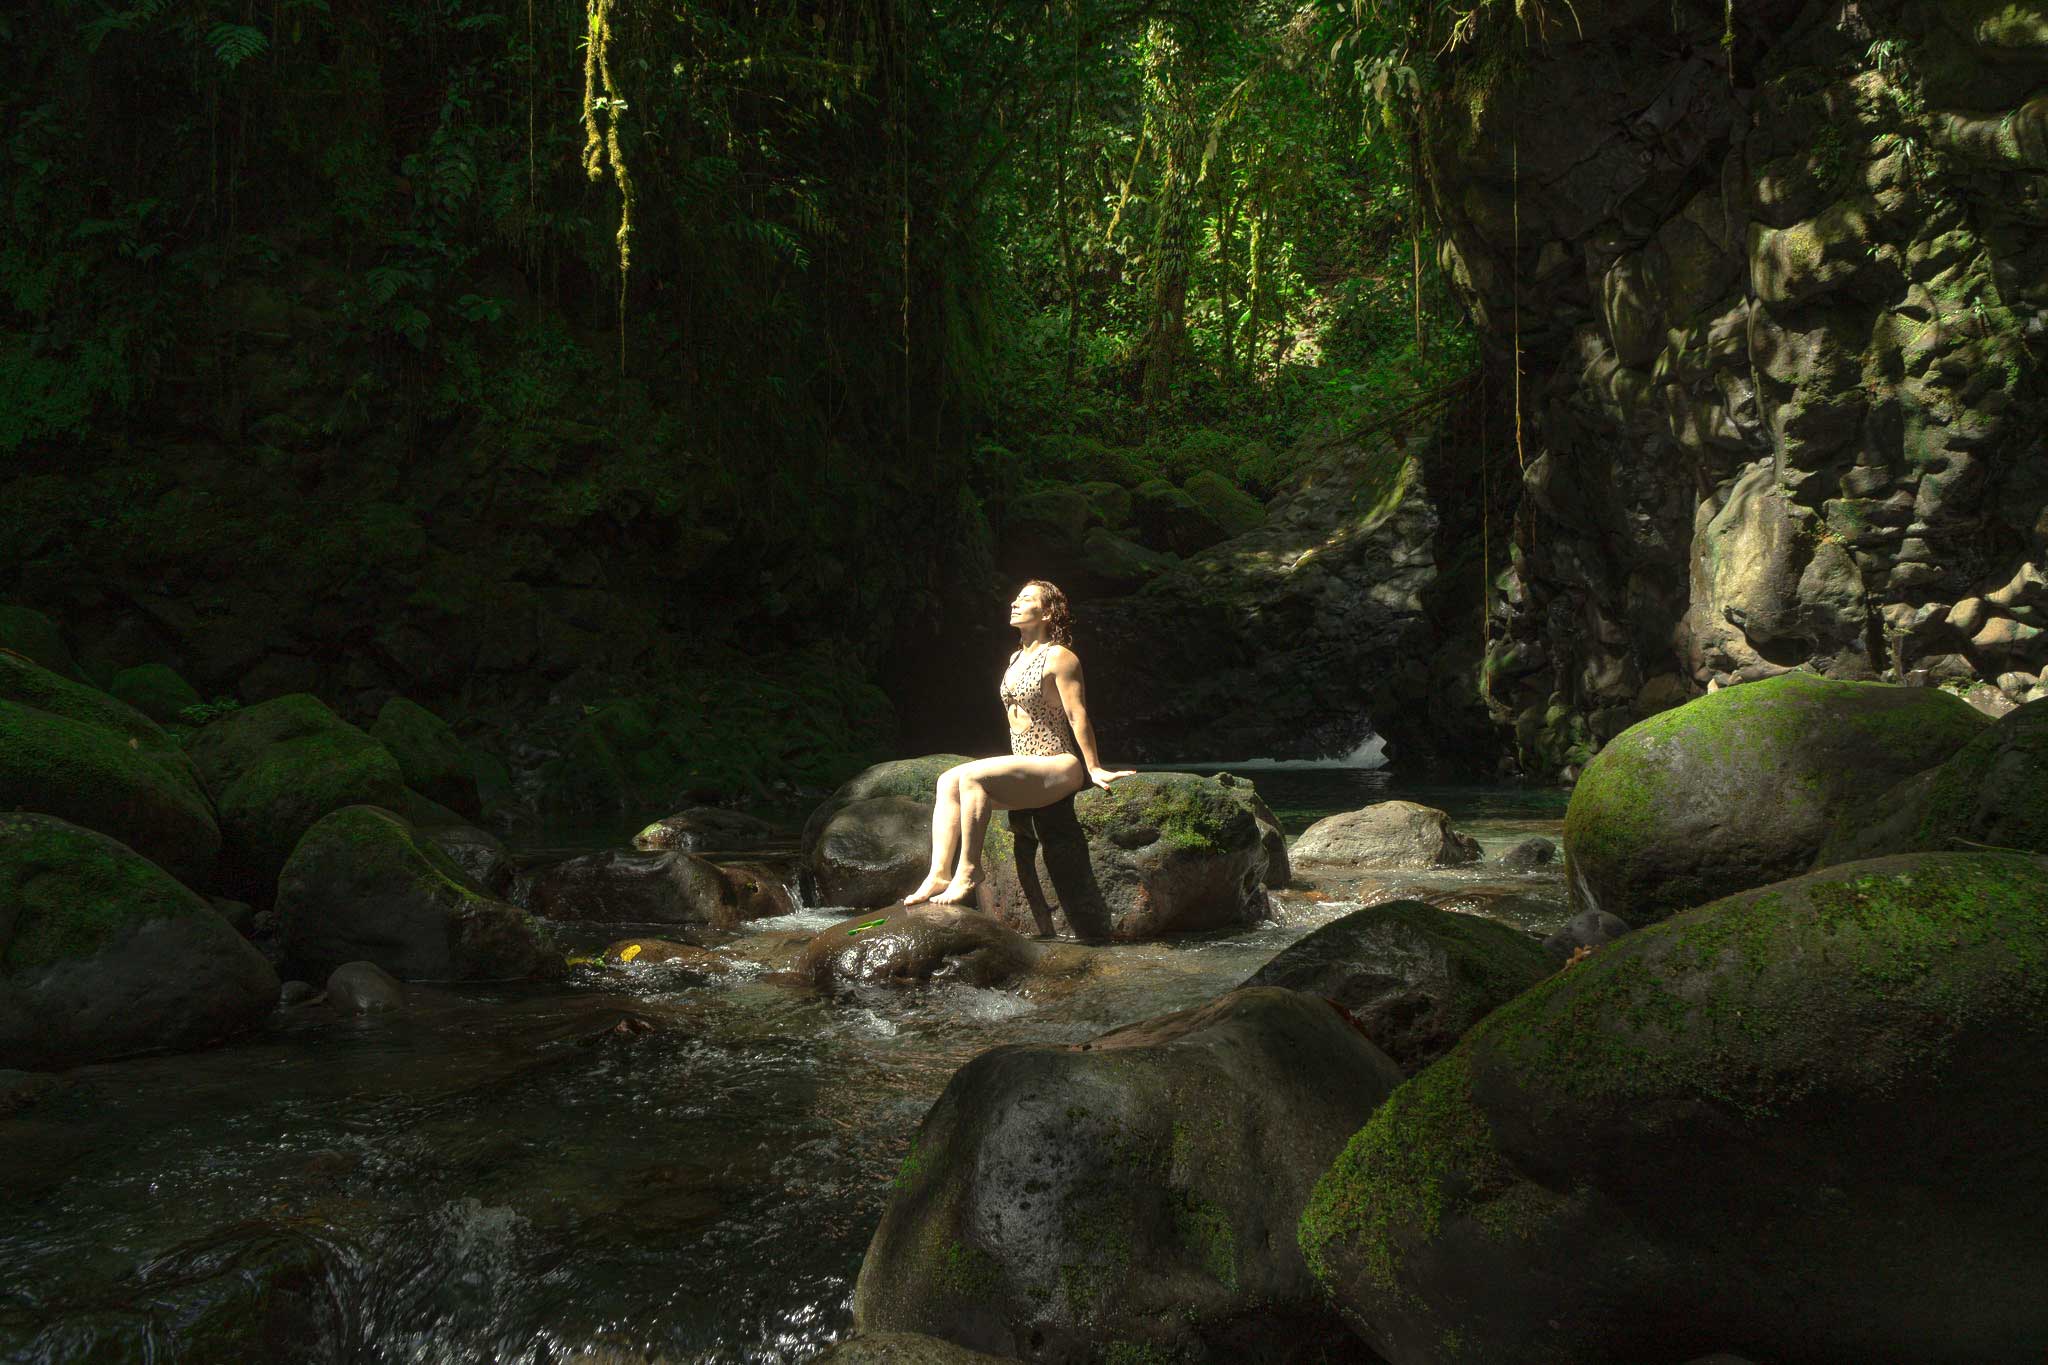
point(627, 1165)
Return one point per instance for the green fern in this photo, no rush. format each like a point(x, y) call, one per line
point(234, 44)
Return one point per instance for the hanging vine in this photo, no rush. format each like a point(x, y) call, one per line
point(601, 113)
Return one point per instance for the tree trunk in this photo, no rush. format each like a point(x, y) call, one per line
point(1168, 93)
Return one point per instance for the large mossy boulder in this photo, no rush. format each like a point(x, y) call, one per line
point(1992, 794)
point(432, 760)
point(74, 752)
point(1740, 787)
point(104, 954)
point(1235, 510)
point(276, 768)
point(877, 854)
point(913, 945)
point(1389, 835)
point(1130, 1198)
point(1151, 856)
point(1169, 519)
point(1801, 1120)
point(156, 691)
point(618, 886)
point(1415, 977)
point(364, 885)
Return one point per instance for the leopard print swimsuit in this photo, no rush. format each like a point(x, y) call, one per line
point(1047, 731)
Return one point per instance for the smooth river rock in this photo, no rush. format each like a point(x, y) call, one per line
point(1130, 1198)
point(623, 886)
point(1803, 1117)
point(1393, 835)
point(707, 829)
point(907, 945)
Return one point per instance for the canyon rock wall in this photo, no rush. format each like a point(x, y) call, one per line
point(1777, 277)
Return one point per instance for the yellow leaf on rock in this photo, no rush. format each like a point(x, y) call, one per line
point(629, 952)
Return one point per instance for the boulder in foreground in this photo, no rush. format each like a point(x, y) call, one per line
point(364, 885)
point(1801, 1120)
point(1415, 977)
point(104, 954)
point(619, 886)
point(1739, 788)
point(1128, 1198)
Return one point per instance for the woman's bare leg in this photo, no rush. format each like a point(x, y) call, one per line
point(992, 784)
point(945, 838)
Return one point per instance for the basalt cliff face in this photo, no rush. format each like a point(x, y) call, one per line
point(1777, 276)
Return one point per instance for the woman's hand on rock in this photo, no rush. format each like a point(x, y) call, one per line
point(1102, 777)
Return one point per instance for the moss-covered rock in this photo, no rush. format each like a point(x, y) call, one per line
point(363, 885)
point(156, 691)
point(1169, 519)
point(1992, 793)
point(276, 768)
point(103, 954)
point(36, 638)
point(1154, 855)
point(708, 829)
point(1739, 788)
point(1108, 563)
point(434, 762)
point(1109, 502)
point(1788, 1117)
point(1136, 1191)
point(902, 1348)
point(1235, 510)
point(1415, 977)
point(76, 753)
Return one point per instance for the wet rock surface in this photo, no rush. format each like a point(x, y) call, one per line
point(1414, 977)
point(1741, 787)
point(364, 988)
point(707, 829)
point(1137, 1193)
point(908, 945)
point(1815, 1064)
point(618, 886)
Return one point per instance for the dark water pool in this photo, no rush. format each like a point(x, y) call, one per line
point(628, 1165)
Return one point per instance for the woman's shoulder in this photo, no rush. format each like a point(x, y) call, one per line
point(1061, 656)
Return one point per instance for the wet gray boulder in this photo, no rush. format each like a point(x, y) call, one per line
point(73, 752)
point(364, 988)
point(1741, 787)
point(1413, 976)
point(364, 885)
point(1530, 853)
point(1794, 1116)
point(273, 770)
point(707, 829)
point(1151, 856)
point(1992, 793)
point(1394, 835)
point(1131, 1197)
point(619, 886)
point(1587, 929)
point(910, 945)
point(480, 854)
point(104, 954)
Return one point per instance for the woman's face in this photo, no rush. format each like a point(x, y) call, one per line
point(1028, 607)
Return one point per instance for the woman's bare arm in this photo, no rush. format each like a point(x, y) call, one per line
point(1065, 667)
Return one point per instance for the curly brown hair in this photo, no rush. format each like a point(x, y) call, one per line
point(1059, 621)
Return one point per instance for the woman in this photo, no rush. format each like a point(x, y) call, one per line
point(1052, 747)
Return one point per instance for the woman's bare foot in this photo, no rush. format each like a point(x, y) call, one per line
point(965, 883)
point(928, 888)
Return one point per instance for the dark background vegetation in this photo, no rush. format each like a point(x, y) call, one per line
point(536, 362)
